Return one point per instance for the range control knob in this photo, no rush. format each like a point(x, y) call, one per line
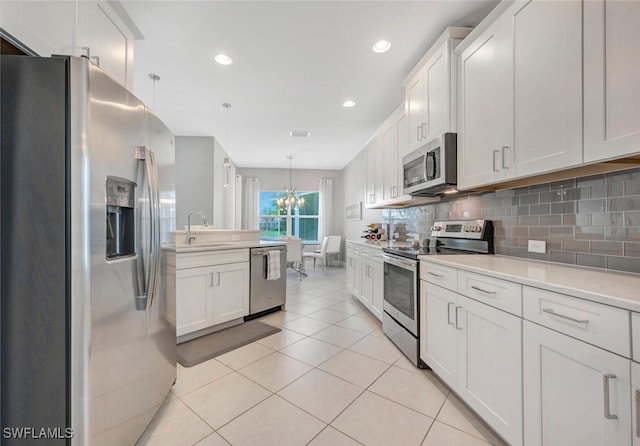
point(478, 228)
point(436, 228)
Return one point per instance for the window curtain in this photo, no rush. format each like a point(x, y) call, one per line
point(325, 209)
point(250, 203)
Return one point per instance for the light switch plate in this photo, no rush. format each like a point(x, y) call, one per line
point(538, 246)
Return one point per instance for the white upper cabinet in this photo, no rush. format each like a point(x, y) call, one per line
point(106, 40)
point(521, 94)
point(374, 161)
point(429, 96)
point(547, 85)
point(394, 141)
point(44, 27)
point(611, 79)
point(73, 28)
point(486, 105)
point(415, 98)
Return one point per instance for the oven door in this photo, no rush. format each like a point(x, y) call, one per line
point(401, 291)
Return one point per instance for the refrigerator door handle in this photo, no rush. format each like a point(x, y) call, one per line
point(147, 283)
point(155, 235)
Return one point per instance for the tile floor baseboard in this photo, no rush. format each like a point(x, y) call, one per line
point(329, 378)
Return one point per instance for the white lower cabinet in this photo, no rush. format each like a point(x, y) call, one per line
point(230, 292)
point(635, 402)
point(194, 290)
point(376, 274)
point(574, 393)
point(476, 350)
point(490, 366)
point(439, 337)
point(211, 288)
point(365, 276)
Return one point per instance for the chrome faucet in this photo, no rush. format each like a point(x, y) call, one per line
point(191, 237)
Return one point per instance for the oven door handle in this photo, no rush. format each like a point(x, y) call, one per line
point(407, 264)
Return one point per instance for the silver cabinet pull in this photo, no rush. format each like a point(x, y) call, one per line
point(211, 279)
point(494, 160)
point(434, 274)
point(637, 392)
point(473, 287)
point(424, 130)
point(218, 279)
point(553, 313)
point(504, 149)
point(449, 305)
point(418, 128)
point(606, 379)
point(458, 325)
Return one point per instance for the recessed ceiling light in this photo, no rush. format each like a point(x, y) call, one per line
point(381, 46)
point(300, 133)
point(223, 59)
point(349, 103)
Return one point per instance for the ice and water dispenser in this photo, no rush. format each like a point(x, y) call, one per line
point(120, 204)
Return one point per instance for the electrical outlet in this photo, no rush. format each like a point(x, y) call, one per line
point(539, 246)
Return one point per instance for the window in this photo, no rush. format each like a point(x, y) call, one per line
point(274, 222)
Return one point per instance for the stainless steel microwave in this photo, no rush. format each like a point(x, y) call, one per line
point(431, 169)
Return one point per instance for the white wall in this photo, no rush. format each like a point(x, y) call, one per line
point(200, 179)
point(194, 177)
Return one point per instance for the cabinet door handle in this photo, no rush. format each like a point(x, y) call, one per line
point(553, 313)
point(218, 278)
point(434, 274)
point(504, 150)
point(637, 392)
point(494, 160)
point(211, 279)
point(458, 322)
point(473, 287)
point(418, 129)
point(424, 130)
point(449, 305)
point(606, 379)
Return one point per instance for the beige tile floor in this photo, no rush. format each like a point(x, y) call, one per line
point(329, 378)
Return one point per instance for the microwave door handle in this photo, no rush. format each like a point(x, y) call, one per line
point(435, 168)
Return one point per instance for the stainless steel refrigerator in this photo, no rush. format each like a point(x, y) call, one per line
point(88, 200)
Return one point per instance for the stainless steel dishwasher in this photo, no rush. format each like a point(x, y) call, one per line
point(265, 295)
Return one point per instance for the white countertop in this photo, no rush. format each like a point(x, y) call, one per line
point(604, 286)
point(218, 246)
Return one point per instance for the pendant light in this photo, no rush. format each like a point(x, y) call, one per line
point(289, 198)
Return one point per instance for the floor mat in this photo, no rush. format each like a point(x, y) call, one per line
point(206, 347)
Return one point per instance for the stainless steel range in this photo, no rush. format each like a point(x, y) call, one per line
point(402, 277)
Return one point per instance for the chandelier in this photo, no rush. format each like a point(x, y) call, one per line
point(289, 198)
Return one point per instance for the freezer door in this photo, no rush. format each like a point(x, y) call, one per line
point(161, 333)
point(113, 129)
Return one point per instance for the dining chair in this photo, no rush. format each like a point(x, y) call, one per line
point(315, 255)
point(294, 254)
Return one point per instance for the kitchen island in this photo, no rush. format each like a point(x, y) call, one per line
point(212, 277)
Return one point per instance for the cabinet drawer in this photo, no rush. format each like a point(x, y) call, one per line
point(209, 258)
point(365, 251)
point(597, 324)
point(445, 276)
point(354, 248)
point(498, 293)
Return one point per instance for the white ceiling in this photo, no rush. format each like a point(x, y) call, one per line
point(295, 62)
